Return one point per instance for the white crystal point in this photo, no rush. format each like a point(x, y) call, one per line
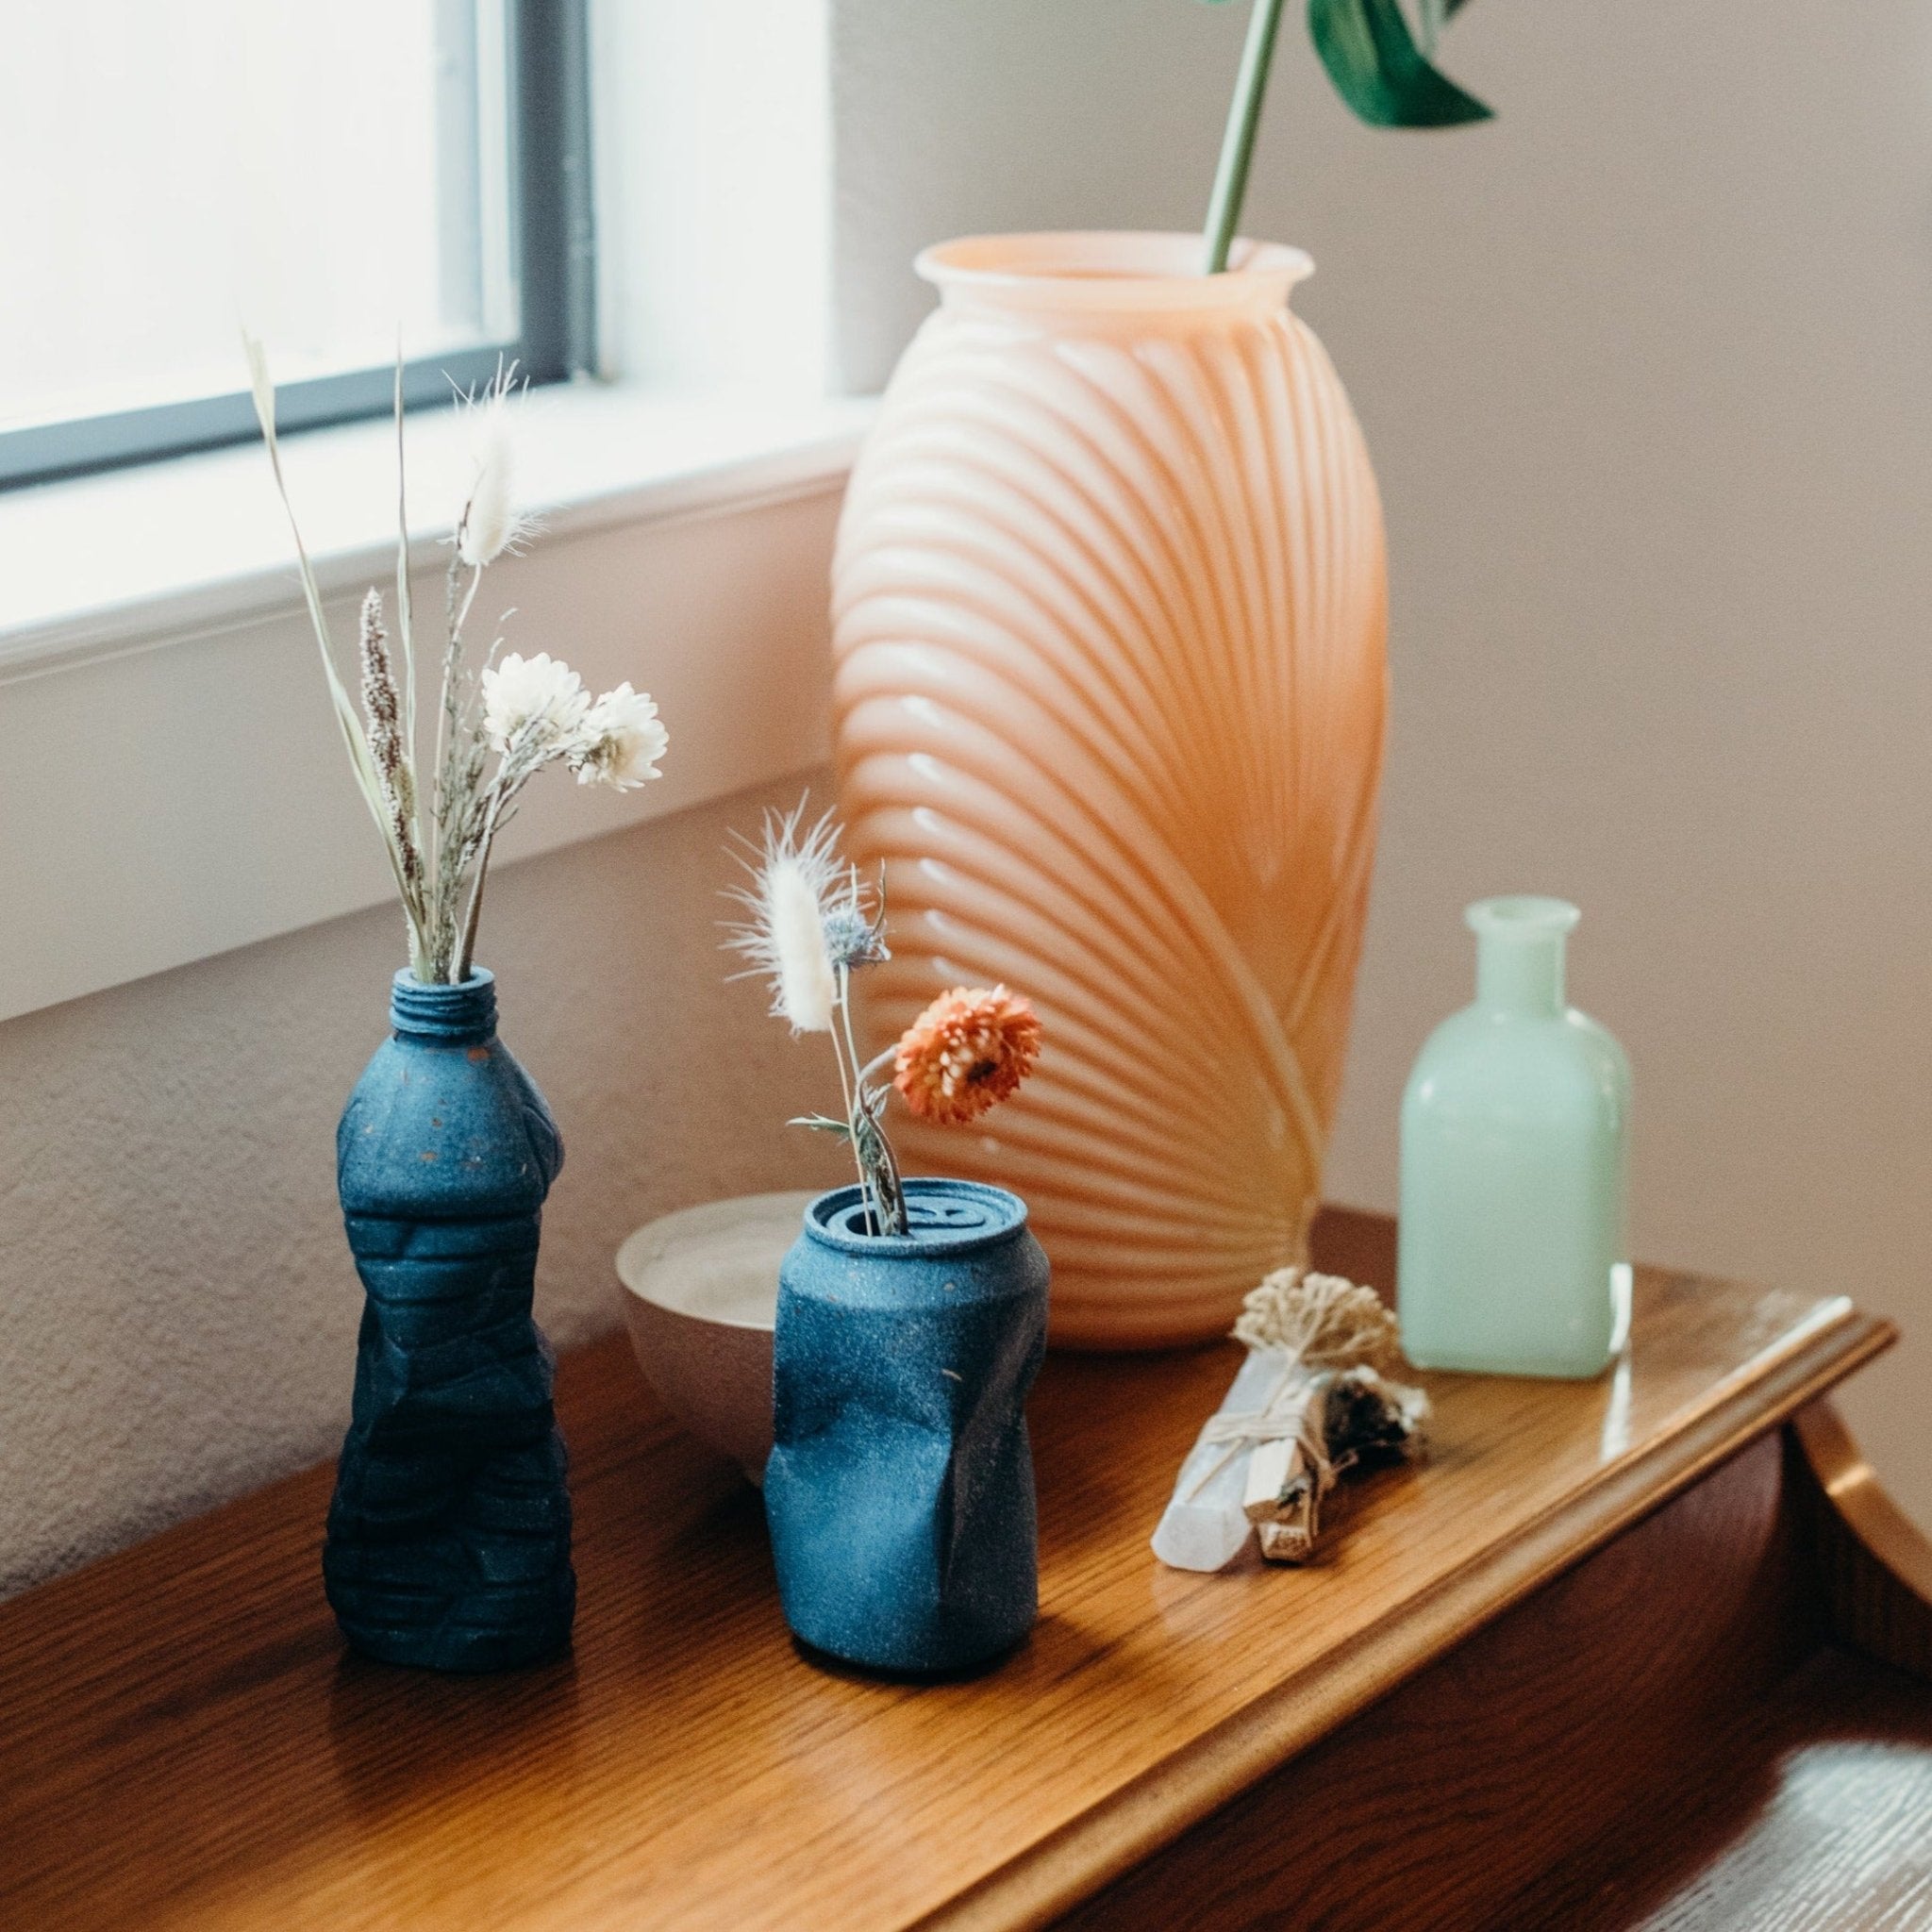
point(1193, 1536)
point(1206, 1527)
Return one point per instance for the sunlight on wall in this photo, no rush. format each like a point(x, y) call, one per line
point(712, 125)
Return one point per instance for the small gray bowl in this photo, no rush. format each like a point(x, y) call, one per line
point(701, 1296)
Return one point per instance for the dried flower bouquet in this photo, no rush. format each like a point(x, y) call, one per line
point(446, 1149)
point(811, 924)
point(912, 1313)
point(498, 723)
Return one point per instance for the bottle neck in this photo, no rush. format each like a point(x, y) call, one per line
point(447, 1015)
point(1519, 976)
point(1518, 955)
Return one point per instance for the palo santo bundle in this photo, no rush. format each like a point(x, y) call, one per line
point(1312, 1400)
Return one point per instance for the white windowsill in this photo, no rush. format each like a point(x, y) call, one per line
point(101, 564)
point(170, 785)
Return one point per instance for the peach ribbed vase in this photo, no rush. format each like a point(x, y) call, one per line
point(1109, 604)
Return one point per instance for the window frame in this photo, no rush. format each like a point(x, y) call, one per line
point(552, 242)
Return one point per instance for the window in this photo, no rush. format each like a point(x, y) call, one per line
point(325, 175)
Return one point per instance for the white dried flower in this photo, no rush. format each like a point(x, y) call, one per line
point(538, 703)
point(491, 523)
point(1323, 1320)
point(621, 740)
point(796, 877)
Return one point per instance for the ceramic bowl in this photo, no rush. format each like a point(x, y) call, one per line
point(701, 1293)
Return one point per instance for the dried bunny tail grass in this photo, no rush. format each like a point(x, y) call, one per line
point(491, 522)
point(1320, 1320)
point(795, 873)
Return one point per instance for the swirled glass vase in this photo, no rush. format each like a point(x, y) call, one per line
point(1110, 611)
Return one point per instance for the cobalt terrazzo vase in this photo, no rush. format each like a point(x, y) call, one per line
point(449, 1535)
point(900, 1486)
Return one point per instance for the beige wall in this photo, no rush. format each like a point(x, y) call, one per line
point(1646, 367)
point(1647, 371)
point(177, 1307)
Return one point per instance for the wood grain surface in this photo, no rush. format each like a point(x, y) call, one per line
point(1433, 1809)
point(185, 1745)
point(1811, 1811)
point(1876, 1561)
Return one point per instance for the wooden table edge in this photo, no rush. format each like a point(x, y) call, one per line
point(1157, 1807)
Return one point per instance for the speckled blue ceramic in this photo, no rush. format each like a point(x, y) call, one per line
point(449, 1535)
point(900, 1486)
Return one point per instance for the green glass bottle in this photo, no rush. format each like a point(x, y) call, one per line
point(1514, 1159)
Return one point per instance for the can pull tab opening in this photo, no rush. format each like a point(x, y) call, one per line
point(925, 1216)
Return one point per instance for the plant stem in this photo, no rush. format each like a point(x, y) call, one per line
point(850, 1096)
point(354, 738)
point(454, 611)
point(859, 1072)
point(892, 1193)
point(1238, 144)
point(466, 939)
point(405, 624)
point(894, 1220)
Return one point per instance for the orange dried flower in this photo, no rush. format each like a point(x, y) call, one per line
point(967, 1052)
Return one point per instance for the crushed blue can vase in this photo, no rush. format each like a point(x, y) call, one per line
point(900, 1486)
point(448, 1542)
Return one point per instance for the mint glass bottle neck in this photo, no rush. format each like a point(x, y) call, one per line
point(1519, 960)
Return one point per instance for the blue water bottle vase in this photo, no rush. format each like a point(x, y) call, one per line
point(448, 1539)
point(900, 1486)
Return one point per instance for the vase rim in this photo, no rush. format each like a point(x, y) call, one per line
point(1101, 269)
point(1002, 1215)
point(1522, 916)
point(480, 978)
point(433, 1009)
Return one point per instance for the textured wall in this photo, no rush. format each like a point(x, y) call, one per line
point(1646, 371)
point(177, 1307)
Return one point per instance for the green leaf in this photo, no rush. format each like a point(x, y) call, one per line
point(1450, 8)
point(1377, 69)
point(819, 1124)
